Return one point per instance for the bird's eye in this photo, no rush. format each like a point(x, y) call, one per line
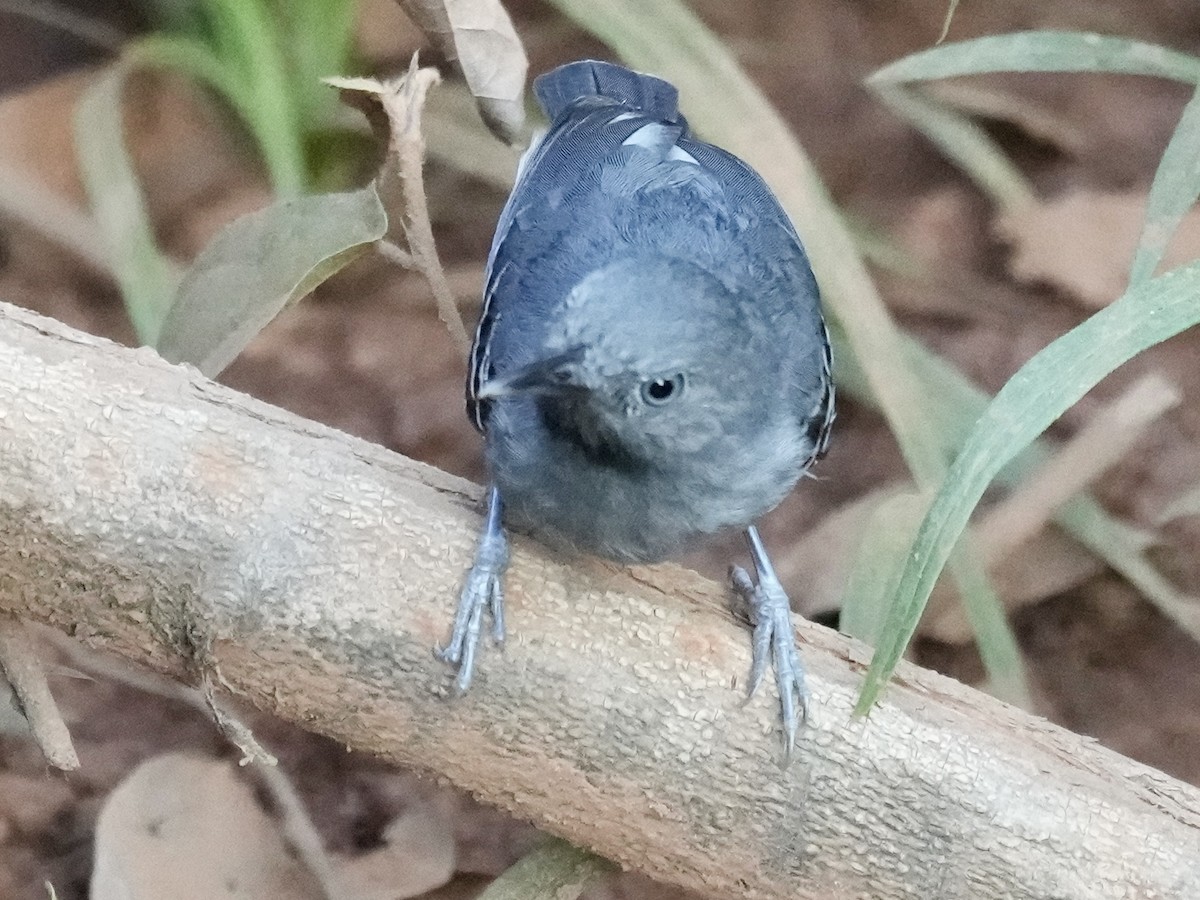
point(662, 390)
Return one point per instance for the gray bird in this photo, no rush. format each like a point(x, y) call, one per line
point(651, 365)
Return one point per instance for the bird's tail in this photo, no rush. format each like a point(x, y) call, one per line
point(653, 97)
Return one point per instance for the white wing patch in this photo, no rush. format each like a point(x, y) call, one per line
point(660, 139)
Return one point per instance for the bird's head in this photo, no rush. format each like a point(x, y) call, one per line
point(645, 359)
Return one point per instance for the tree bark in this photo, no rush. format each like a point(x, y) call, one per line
point(158, 515)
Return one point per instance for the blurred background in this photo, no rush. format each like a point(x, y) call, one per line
point(984, 287)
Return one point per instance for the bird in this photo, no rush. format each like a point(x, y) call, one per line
point(651, 365)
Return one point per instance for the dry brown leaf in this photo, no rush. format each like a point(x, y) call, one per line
point(479, 37)
point(188, 828)
point(35, 134)
point(397, 105)
point(30, 805)
point(418, 856)
point(1083, 242)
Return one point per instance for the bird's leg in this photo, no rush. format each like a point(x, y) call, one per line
point(767, 607)
point(483, 590)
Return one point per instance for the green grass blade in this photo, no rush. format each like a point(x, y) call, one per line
point(190, 57)
point(1121, 546)
point(320, 35)
point(1174, 191)
point(1041, 391)
point(260, 264)
point(249, 42)
point(1041, 51)
point(146, 278)
point(997, 644)
point(963, 142)
point(877, 565)
point(554, 870)
point(727, 108)
point(179, 16)
point(1133, 564)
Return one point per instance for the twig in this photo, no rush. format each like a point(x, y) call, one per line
point(300, 831)
point(403, 100)
point(397, 254)
point(234, 730)
point(23, 669)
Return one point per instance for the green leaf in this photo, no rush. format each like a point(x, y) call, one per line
point(1041, 391)
point(1042, 51)
point(320, 35)
point(1121, 546)
point(1174, 191)
point(187, 56)
point(260, 264)
point(877, 565)
point(146, 277)
point(554, 870)
point(249, 42)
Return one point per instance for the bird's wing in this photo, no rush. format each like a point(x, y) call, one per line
point(820, 424)
point(597, 109)
point(744, 188)
point(615, 135)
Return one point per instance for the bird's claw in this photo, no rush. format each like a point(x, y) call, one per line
point(482, 591)
point(774, 641)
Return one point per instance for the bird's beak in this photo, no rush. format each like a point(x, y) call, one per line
point(557, 375)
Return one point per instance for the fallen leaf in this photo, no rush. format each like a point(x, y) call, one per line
point(1083, 242)
point(188, 828)
point(417, 856)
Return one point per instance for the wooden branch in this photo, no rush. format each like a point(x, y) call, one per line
point(158, 515)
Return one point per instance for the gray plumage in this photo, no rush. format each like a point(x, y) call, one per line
point(651, 364)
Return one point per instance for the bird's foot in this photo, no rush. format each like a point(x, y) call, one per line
point(482, 591)
point(766, 605)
